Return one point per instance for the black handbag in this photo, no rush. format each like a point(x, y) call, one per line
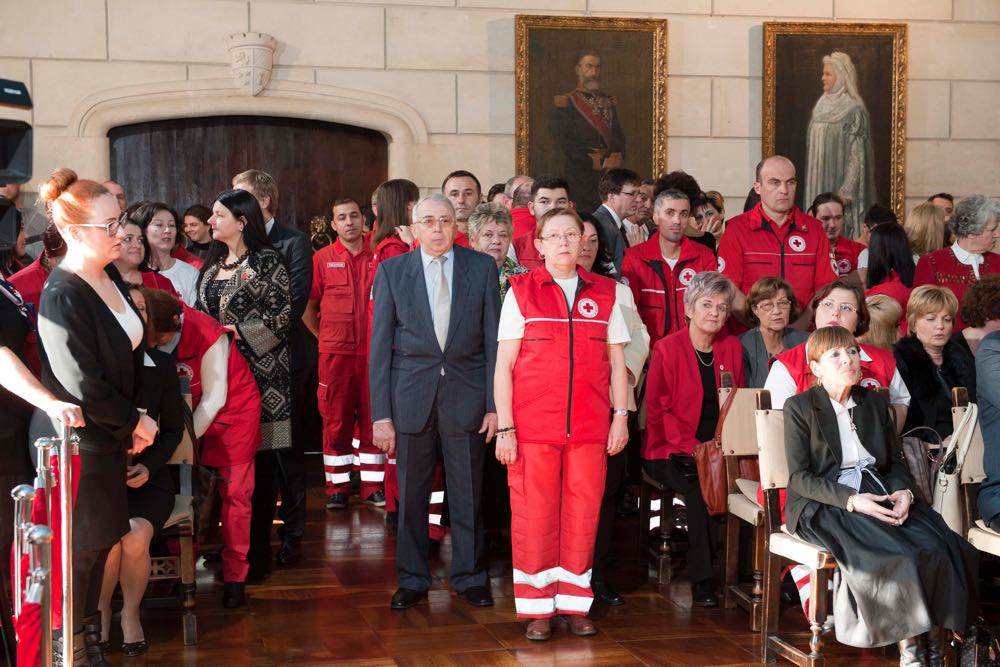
point(980, 647)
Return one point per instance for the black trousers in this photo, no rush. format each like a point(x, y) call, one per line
point(681, 475)
point(292, 467)
point(496, 492)
point(617, 466)
point(88, 573)
point(416, 454)
point(266, 482)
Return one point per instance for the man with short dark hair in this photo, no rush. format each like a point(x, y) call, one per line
point(618, 190)
point(462, 188)
point(119, 192)
point(945, 202)
point(775, 238)
point(337, 315)
point(547, 193)
point(639, 226)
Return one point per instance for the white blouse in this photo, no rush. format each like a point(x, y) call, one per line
point(850, 444)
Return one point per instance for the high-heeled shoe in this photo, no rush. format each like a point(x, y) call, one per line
point(132, 649)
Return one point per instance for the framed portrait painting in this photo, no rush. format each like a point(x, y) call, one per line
point(591, 95)
point(835, 104)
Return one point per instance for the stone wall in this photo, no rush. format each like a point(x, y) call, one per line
point(436, 76)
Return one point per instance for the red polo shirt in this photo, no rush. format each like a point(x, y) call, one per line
point(753, 247)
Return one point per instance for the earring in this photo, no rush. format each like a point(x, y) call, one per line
point(241, 230)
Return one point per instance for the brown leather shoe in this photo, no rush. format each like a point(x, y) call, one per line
point(581, 626)
point(539, 630)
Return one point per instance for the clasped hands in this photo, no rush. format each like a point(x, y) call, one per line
point(870, 504)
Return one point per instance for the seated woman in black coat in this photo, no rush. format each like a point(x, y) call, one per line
point(930, 362)
point(903, 572)
point(150, 491)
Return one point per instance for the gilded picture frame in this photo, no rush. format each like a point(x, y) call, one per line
point(626, 123)
point(822, 80)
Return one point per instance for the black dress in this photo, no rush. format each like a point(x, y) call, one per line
point(161, 396)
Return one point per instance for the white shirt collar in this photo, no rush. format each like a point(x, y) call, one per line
point(863, 354)
point(427, 259)
point(268, 225)
point(964, 256)
point(618, 221)
point(839, 409)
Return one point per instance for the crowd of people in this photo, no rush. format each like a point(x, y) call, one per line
point(500, 366)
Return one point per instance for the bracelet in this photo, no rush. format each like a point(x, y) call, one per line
point(508, 432)
point(850, 502)
point(620, 412)
point(912, 497)
point(505, 429)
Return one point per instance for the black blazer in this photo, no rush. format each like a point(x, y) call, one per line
point(161, 396)
point(405, 359)
point(88, 359)
point(296, 249)
point(609, 263)
point(812, 447)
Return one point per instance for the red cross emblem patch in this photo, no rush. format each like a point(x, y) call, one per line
point(796, 243)
point(686, 276)
point(870, 383)
point(722, 265)
point(842, 266)
point(185, 371)
point(587, 308)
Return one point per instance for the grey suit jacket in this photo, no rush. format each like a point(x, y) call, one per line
point(609, 264)
point(814, 453)
point(405, 360)
point(988, 393)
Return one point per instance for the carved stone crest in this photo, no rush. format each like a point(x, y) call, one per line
point(253, 59)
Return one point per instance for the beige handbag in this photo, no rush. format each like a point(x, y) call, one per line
point(947, 487)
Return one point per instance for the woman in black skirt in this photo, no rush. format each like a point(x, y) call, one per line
point(91, 339)
point(151, 491)
point(904, 575)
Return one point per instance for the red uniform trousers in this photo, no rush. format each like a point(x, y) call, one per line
point(235, 491)
point(343, 403)
point(555, 494)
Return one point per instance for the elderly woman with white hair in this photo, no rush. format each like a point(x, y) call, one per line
point(975, 225)
point(490, 231)
point(839, 145)
point(682, 407)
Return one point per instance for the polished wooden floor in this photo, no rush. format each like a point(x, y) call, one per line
point(333, 609)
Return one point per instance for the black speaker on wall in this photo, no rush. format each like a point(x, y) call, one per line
point(15, 135)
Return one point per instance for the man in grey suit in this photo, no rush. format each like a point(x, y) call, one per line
point(433, 353)
point(618, 190)
point(988, 392)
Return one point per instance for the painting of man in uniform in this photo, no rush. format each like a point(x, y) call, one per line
point(590, 100)
point(838, 109)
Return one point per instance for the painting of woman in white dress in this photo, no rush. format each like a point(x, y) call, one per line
point(839, 155)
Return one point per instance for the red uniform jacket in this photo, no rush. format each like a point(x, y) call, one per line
point(941, 267)
point(29, 282)
point(527, 254)
point(658, 290)
point(154, 280)
point(876, 371)
point(523, 221)
point(844, 255)
point(341, 285)
point(674, 392)
point(562, 373)
point(894, 288)
point(185, 255)
point(799, 252)
point(389, 247)
point(234, 435)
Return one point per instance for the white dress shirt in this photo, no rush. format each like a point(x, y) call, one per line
point(431, 269)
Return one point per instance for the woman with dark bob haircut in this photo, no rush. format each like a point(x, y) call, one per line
point(770, 307)
point(904, 575)
point(890, 266)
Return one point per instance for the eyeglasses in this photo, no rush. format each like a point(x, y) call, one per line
point(568, 237)
point(431, 222)
point(629, 193)
point(844, 308)
point(112, 228)
point(768, 306)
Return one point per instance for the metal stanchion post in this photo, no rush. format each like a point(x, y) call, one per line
point(43, 473)
point(40, 588)
point(67, 447)
point(23, 496)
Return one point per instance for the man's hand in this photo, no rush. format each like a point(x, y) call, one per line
point(68, 413)
point(384, 437)
point(635, 235)
point(489, 426)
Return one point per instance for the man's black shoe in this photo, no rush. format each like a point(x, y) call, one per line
point(477, 596)
point(404, 598)
point(703, 594)
point(234, 595)
point(337, 501)
point(391, 522)
point(376, 499)
point(606, 594)
point(289, 553)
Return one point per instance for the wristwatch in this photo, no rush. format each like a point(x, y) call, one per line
point(620, 412)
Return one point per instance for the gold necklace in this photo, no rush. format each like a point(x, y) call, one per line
point(710, 358)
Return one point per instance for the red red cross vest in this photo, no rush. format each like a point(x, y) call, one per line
point(234, 435)
point(876, 371)
point(562, 373)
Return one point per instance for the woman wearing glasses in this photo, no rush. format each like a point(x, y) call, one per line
point(840, 303)
point(561, 345)
point(771, 305)
point(92, 342)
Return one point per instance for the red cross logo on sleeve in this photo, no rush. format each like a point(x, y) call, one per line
point(587, 308)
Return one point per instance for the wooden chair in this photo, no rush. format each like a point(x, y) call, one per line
point(739, 441)
point(180, 525)
point(784, 548)
point(971, 476)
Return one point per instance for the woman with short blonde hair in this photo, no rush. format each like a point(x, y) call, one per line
point(883, 330)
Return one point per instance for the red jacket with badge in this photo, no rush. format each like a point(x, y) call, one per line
point(234, 435)
point(753, 247)
point(844, 255)
point(658, 289)
point(562, 373)
point(674, 391)
point(340, 285)
point(942, 268)
point(877, 367)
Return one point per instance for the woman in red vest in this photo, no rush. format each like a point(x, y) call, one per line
point(561, 345)
point(226, 404)
point(682, 409)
